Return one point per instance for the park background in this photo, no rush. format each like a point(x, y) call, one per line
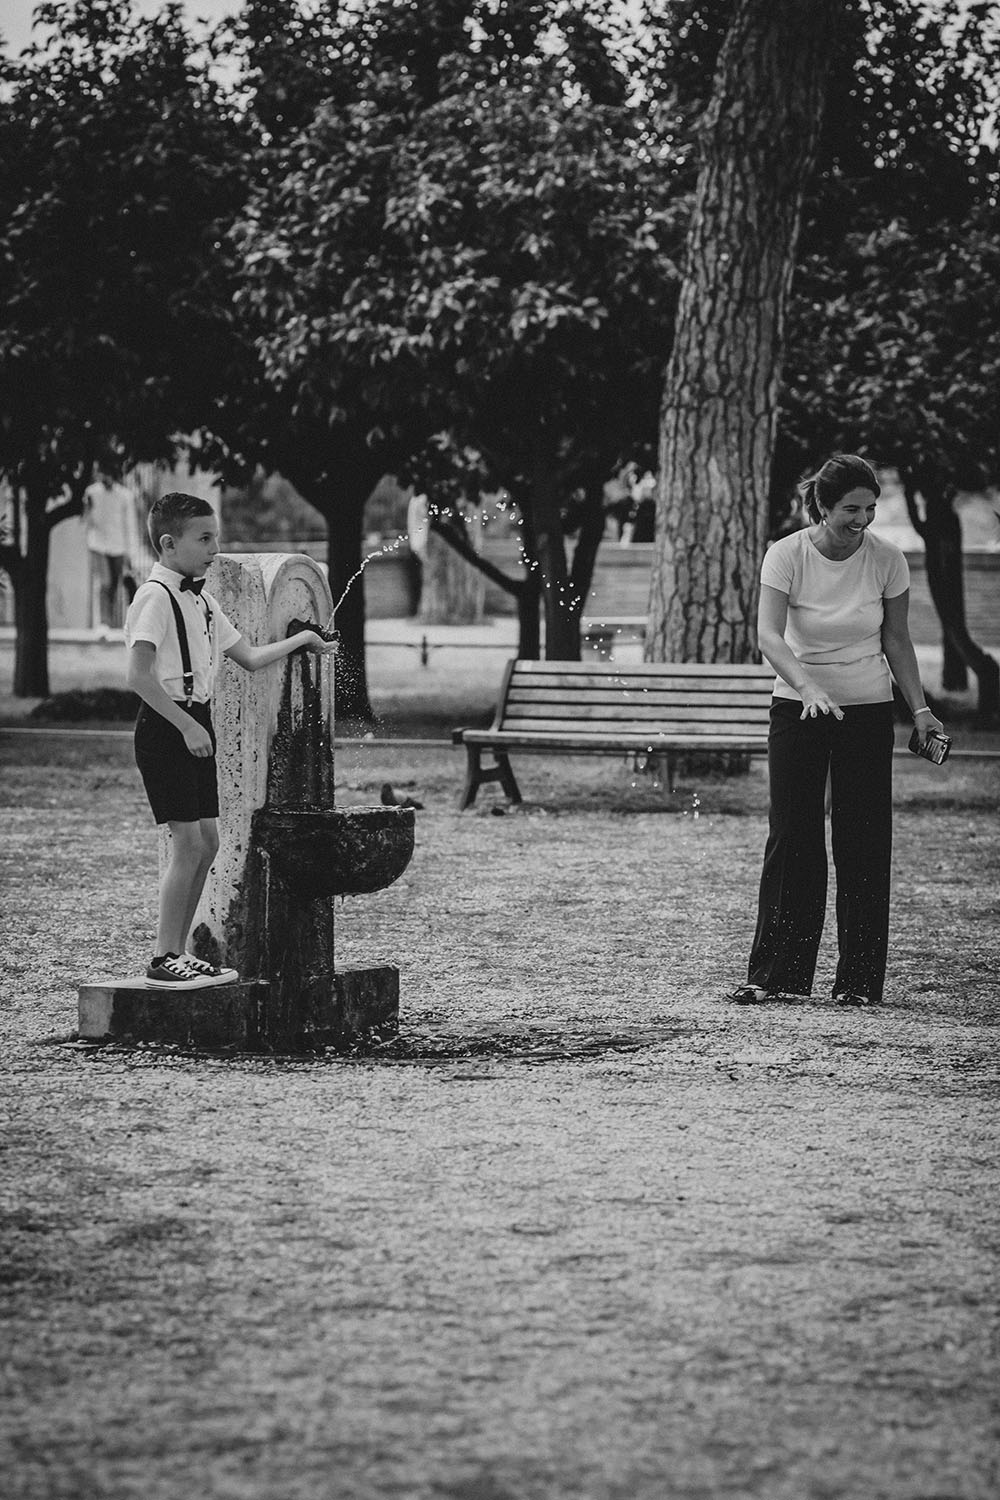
point(452, 244)
point(580, 1232)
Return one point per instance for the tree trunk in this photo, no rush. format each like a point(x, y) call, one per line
point(559, 601)
point(31, 613)
point(718, 422)
point(585, 551)
point(345, 520)
point(941, 530)
point(529, 630)
point(954, 672)
point(451, 592)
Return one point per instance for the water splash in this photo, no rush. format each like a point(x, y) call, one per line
point(434, 513)
point(382, 551)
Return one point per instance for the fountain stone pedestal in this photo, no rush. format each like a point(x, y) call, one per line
point(286, 852)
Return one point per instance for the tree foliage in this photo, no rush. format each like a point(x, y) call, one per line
point(488, 259)
point(120, 167)
point(894, 344)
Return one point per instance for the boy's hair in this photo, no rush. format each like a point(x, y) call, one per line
point(171, 513)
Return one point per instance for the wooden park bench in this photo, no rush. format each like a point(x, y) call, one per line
point(600, 708)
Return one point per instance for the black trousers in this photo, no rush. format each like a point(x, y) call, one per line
point(856, 752)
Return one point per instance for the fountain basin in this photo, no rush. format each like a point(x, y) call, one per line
point(335, 851)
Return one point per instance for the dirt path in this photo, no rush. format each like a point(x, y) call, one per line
point(591, 1235)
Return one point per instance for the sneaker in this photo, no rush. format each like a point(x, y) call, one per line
point(173, 972)
point(216, 972)
point(848, 997)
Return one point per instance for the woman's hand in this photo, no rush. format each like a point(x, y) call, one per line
point(926, 724)
point(816, 701)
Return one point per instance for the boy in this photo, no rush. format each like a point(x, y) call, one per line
point(176, 636)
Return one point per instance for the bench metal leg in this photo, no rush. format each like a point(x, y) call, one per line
point(506, 777)
point(473, 778)
point(477, 775)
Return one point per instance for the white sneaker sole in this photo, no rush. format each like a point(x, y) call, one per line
point(199, 982)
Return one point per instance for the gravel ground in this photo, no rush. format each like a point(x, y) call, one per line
point(588, 1234)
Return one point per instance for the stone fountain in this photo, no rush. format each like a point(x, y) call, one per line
point(286, 854)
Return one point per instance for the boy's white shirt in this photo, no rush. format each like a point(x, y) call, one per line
point(151, 618)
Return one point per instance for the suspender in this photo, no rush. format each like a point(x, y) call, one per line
point(182, 637)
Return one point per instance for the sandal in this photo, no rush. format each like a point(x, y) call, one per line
point(750, 994)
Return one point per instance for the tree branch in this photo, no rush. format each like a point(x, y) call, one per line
point(461, 544)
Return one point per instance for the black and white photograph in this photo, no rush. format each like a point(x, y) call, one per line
point(499, 749)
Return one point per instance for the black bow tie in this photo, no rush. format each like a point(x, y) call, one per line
point(194, 584)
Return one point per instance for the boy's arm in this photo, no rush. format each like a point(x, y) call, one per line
point(252, 658)
point(149, 688)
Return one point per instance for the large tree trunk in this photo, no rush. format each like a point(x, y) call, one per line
point(940, 528)
point(719, 412)
point(31, 614)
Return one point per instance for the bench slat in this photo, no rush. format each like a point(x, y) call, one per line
point(642, 669)
point(653, 697)
point(676, 727)
point(635, 713)
point(553, 740)
point(637, 683)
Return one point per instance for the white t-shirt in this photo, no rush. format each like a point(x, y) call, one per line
point(209, 632)
point(109, 519)
point(835, 613)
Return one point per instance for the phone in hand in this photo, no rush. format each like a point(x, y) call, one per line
point(935, 747)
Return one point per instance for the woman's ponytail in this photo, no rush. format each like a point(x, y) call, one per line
point(807, 495)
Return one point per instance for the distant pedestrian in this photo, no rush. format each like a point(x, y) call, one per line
point(418, 528)
point(617, 501)
point(832, 621)
point(112, 540)
point(176, 636)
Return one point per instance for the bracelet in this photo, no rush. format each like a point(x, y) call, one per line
point(923, 709)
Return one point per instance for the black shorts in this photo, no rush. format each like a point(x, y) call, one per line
point(181, 787)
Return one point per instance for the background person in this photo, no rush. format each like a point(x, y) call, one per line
point(112, 540)
point(832, 621)
point(418, 529)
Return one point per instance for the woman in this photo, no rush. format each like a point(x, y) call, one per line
point(831, 622)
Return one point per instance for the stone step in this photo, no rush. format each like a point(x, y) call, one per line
point(222, 1015)
point(235, 1017)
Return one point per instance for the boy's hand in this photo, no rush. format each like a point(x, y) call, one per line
point(197, 739)
point(313, 641)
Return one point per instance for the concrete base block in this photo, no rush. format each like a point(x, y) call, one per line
point(367, 1003)
point(223, 1015)
point(234, 1017)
